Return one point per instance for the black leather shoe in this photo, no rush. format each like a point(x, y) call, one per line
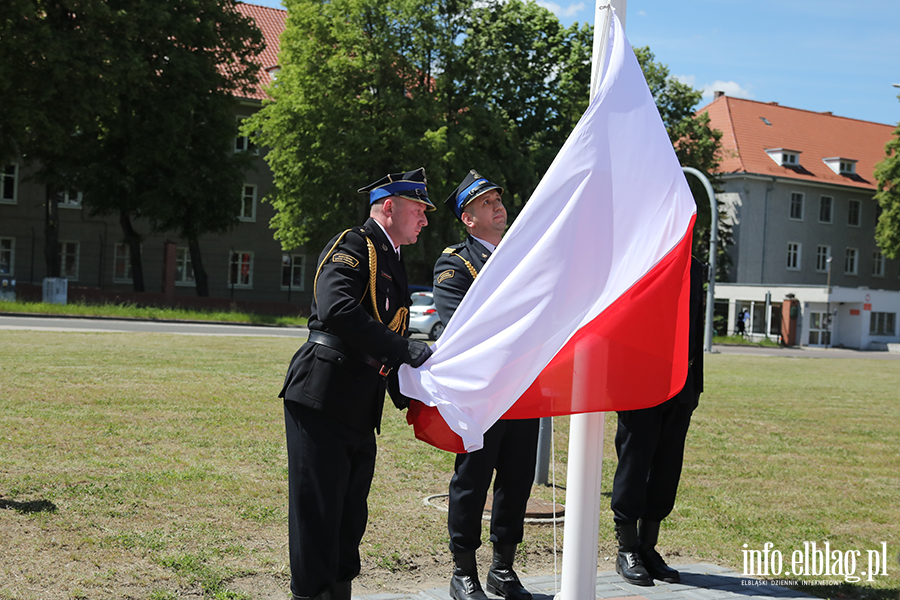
point(628, 561)
point(648, 536)
point(502, 579)
point(464, 584)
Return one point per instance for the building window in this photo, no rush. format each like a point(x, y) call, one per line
point(825, 203)
point(243, 143)
point(248, 203)
point(877, 264)
point(68, 260)
point(822, 255)
point(184, 271)
point(122, 263)
point(69, 199)
point(793, 256)
point(8, 184)
point(796, 206)
point(293, 271)
point(881, 323)
point(7, 256)
point(850, 261)
point(853, 211)
point(240, 272)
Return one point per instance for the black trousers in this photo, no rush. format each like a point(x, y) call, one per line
point(510, 448)
point(330, 468)
point(650, 446)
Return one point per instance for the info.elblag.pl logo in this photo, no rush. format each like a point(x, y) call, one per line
point(818, 561)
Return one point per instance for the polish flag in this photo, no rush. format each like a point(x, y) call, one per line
point(584, 305)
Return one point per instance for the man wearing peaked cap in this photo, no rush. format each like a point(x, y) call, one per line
point(510, 446)
point(334, 388)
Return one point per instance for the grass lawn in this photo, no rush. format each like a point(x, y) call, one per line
point(153, 466)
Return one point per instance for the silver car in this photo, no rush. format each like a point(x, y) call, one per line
point(423, 316)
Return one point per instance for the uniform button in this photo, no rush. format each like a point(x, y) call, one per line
point(383, 359)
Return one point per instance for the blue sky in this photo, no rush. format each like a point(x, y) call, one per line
point(819, 55)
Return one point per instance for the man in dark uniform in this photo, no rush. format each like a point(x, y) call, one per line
point(334, 389)
point(510, 446)
point(650, 445)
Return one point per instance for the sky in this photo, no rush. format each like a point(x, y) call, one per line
point(818, 55)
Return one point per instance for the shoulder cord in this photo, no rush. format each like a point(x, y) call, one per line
point(398, 323)
point(452, 251)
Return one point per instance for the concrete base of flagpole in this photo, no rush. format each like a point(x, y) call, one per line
point(581, 537)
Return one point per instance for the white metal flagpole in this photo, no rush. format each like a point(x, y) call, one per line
point(581, 542)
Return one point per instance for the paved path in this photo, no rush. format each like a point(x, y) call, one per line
point(698, 582)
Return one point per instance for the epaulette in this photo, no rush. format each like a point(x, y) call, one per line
point(454, 251)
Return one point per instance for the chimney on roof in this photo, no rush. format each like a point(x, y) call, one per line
point(718, 94)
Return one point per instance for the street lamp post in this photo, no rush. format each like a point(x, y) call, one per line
point(828, 303)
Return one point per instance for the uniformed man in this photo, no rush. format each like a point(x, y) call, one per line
point(650, 446)
point(334, 389)
point(510, 446)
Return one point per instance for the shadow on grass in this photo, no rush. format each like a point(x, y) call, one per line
point(32, 506)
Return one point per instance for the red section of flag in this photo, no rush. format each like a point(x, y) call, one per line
point(634, 355)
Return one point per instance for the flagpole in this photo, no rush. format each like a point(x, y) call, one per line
point(585, 466)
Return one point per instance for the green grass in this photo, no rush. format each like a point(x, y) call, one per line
point(131, 311)
point(742, 341)
point(153, 466)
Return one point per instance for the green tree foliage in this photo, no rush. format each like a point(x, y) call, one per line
point(887, 173)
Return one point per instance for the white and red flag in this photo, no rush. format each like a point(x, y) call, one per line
point(591, 281)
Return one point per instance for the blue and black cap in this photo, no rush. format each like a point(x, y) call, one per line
point(409, 185)
point(472, 186)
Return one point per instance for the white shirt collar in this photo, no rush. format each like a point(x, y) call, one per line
point(487, 245)
point(393, 245)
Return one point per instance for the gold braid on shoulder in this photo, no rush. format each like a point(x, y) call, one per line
point(454, 252)
point(325, 260)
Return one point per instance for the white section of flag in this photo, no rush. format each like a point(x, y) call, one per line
point(612, 205)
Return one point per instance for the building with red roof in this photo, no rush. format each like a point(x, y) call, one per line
point(798, 188)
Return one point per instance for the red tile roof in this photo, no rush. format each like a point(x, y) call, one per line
point(271, 22)
point(750, 128)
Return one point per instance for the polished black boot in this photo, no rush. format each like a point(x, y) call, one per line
point(341, 590)
point(648, 536)
point(464, 584)
point(628, 561)
point(501, 579)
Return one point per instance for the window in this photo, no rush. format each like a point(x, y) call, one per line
point(825, 203)
point(7, 256)
point(848, 167)
point(797, 206)
point(68, 260)
point(789, 159)
point(823, 253)
point(69, 199)
point(293, 271)
point(881, 323)
point(184, 271)
point(240, 272)
point(8, 184)
point(243, 143)
point(877, 264)
point(248, 203)
point(850, 261)
point(122, 263)
point(853, 213)
point(793, 256)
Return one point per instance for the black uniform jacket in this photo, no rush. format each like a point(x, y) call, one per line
point(693, 386)
point(354, 267)
point(454, 273)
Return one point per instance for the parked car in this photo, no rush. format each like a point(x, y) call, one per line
point(423, 316)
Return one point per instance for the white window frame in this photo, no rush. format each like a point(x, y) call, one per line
point(830, 205)
point(850, 205)
point(822, 254)
point(182, 265)
point(63, 252)
point(117, 249)
point(9, 254)
point(793, 256)
point(299, 264)
point(877, 264)
point(796, 196)
point(243, 143)
point(68, 200)
point(879, 321)
point(248, 194)
point(246, 281)
point(14, 175)
point(851, 261)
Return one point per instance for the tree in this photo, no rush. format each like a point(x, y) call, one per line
point(167, 153)
point(696, 145)
point(887, 173)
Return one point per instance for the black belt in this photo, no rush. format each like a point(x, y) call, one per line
point(335, 343)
